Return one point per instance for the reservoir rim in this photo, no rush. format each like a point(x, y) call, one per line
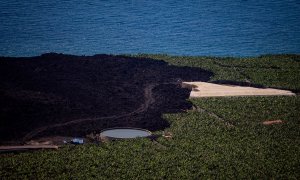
point(124, 128)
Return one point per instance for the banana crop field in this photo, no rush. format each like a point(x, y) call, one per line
point(218, 138)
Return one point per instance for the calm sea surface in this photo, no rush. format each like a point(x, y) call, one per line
point(185, 27)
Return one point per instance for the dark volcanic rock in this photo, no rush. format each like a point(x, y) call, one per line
point(54, 89)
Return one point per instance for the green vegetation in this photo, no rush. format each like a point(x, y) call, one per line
point(220, 138)
point(278, 71)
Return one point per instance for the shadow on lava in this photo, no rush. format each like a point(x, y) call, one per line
point(71, 95)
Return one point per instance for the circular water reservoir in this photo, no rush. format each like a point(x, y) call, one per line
point(125, 133)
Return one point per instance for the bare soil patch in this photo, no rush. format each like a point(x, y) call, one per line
point(270, 122)
point(204, 89)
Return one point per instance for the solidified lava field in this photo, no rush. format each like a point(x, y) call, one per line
point(66, 95)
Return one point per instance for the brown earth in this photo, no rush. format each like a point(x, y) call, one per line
point(65, 95)
point(204, 89)
point(270, 122)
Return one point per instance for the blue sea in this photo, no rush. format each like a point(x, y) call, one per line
point(185, 27)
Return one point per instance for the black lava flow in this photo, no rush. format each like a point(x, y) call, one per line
point(56, 88)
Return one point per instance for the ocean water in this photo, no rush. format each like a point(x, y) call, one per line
point(185, 27)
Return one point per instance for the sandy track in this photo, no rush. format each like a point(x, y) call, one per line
point(26, 147)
